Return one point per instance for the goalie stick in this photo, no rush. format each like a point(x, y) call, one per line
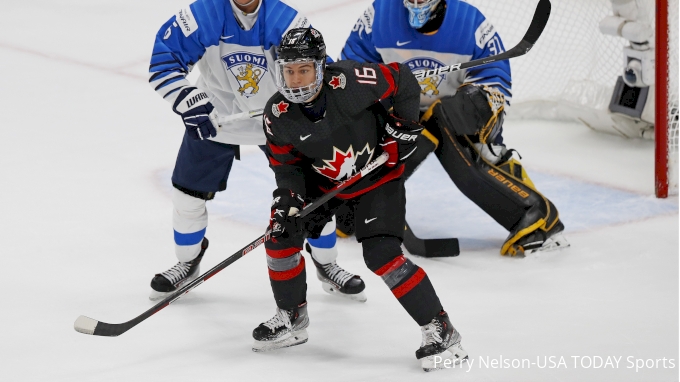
point(538, 23)
point(429, 247)
point(87, 325)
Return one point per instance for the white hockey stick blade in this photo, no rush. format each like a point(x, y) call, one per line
point(85, 325)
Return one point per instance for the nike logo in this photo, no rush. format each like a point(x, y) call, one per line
point(369, 220)
point(226, 38)
point(305, 137)
point(399, 43)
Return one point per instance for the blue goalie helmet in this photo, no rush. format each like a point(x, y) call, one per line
point(419, 11)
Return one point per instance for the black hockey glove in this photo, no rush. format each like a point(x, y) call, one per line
point(198, 114)
point(400, 139)
point(285, 207)
point(478, 109)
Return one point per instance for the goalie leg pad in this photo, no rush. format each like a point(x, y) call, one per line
point(509, 199)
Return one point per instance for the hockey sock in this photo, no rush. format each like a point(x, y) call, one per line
point(407, 281)
point(286, 273)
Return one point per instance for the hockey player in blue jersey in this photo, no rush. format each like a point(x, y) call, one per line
point(462, 111)
point(232, 42)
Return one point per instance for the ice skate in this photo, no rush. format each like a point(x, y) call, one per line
point(287, 328)
point(337, 281)
point(441, 342)
point(540, 241)
point(176, 277)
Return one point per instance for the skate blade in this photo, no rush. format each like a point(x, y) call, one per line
point(330, 289)
point(553, 243)
point(292, 339)
point(455, 353)
point(156, 295)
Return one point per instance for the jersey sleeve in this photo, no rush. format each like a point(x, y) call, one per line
point(182, 41)
point(406, 92)
point(488, 43)
point(284, 159)
point(359, 45)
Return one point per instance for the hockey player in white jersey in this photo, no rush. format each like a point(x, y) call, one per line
point(462, 111)
point(232, 42)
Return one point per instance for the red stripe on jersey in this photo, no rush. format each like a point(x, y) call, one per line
point(411, 283)
point(281, 253)
point(280, 150)
point(387, 73)
point(274, 162)
point(289, 274)
point(392, 265)
point(394, 174)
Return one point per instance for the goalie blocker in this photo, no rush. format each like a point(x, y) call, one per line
point(457, 130)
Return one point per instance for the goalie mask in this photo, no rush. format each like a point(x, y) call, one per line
point(420, 11)
point(300, 65)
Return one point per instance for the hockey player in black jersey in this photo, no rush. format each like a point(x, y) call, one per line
point(323, 126)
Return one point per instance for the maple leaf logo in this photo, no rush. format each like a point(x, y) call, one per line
point(280, 108)
point(343, 164)
point(338, 81)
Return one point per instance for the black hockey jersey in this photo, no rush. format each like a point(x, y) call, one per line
point(309, 156)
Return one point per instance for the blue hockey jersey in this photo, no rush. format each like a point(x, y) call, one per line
point(382, 34)
point(236, 65)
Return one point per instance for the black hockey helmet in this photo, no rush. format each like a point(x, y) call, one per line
point(301, 45)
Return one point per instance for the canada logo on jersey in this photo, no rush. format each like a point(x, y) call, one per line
point(338, 81)
point(428, 86)
point(280, 108)
point(344, 163)
point(248, 69)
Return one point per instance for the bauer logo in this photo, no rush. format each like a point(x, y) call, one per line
point(428, 86)
point(248, 69)
point(186, 21)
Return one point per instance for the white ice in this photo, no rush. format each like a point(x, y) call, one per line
point(86, 151)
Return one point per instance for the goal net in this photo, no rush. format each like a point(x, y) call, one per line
point(571, 72)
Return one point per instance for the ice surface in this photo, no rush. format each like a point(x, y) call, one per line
point(86, 149)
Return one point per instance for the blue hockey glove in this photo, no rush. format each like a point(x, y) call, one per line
point(198, 114)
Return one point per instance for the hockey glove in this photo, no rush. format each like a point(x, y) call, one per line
point(400, 139)
point(198, 114)
point(478, 109)
point(285, 208)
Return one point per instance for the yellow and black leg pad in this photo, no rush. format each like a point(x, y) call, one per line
point(504, 192)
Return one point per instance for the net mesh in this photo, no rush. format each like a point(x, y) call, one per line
point(572, 70)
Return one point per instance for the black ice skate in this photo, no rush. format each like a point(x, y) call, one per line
point(441, 342)
point(338, 281)
point(287, 328)
point(176, 277)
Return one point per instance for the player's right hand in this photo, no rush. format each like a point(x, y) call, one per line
point(285, 207)
point(198, 114)
point(400, 139)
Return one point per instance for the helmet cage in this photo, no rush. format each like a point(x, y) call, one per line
point(419, 13)
point(303, 93)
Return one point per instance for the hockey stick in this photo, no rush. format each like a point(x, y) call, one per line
point(429, 247)
point(537, 26)
point(91, 326)
point(240, 116)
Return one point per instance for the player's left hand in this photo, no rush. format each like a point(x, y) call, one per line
point(400, 139)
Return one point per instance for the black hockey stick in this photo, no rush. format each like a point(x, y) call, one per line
point(429, 247)
point(91, 326)
point(538, 23)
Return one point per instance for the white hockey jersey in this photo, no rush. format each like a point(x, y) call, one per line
point(235, 64)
